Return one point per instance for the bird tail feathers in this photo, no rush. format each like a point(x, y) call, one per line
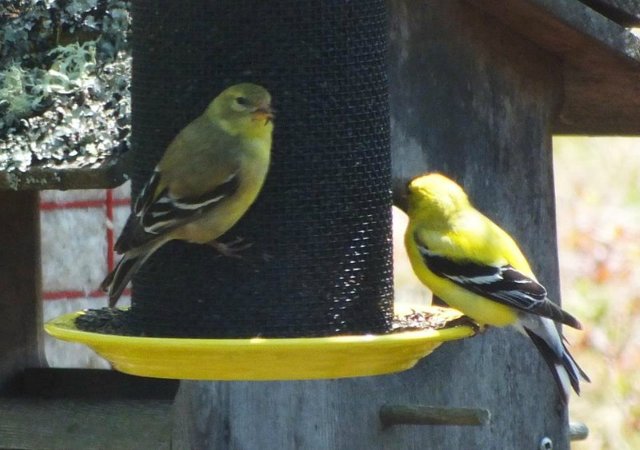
point(564, 368)
point(117, 280)
point(557, 314)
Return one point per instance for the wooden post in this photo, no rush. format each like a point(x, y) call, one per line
point(20, 284)
point(476, 101)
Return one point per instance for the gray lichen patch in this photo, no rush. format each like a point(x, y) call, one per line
point(65, 69)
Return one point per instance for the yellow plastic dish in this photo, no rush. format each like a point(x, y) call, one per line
point(259, 358)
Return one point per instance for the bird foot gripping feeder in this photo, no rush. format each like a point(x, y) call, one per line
point(312, 296)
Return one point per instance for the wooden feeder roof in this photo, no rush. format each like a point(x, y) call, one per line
point(600, 58)
point(108, 174)
point(624, 12)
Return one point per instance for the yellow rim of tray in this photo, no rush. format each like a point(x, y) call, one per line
point(259, 358)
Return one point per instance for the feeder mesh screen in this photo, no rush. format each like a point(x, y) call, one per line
point(320, 259)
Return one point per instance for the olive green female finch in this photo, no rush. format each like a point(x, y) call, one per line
point(207, 179)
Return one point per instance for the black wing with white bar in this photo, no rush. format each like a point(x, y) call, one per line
point(504, 284)
point(166, 212)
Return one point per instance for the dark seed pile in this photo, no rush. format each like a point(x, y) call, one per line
point(118, 322)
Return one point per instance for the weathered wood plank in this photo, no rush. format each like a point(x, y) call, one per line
point(109, 174)
point(84, 424)
point(394, 415)
point(599, 101)
point(476, 100)
point(600, 61)
point(566, 27)
point(92, 384)
point(20, 284)
point(624, 12)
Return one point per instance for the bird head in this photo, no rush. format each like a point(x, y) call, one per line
point(436, 194)
point(243, 109)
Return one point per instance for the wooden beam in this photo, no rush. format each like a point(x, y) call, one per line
point(86, 408)
point(566, 27)
point(624, 12)
point(108, 174)
point(76, 424)
point(475, 99)
point(20, 284)
point(600, 61)
point(92, 384)
point(393, 415)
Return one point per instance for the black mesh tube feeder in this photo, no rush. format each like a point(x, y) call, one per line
point(318, 275)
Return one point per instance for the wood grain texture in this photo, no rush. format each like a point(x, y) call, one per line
point(20, 284)
point(92, 384)
point(85, 424)
point(109, 174)
point(600, 62)
point(624, 12)
point(393, 415)
point(475, 100)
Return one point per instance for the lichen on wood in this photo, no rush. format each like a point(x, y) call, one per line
point(64, 83)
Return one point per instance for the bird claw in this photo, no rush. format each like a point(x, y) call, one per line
point(231, 249)
point(468, 322)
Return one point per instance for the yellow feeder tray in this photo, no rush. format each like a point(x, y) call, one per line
point(259, 358)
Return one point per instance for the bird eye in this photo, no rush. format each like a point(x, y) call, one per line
point(242, 101)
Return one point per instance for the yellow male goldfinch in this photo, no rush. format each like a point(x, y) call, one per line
point(207, 179)
point(476, 267)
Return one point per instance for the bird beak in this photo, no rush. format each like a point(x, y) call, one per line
point(400, 193)
point(265, 113)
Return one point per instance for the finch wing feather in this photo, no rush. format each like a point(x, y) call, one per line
point(503, 284)
point(148, 193)
point(167, 211)
point(157, 211)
